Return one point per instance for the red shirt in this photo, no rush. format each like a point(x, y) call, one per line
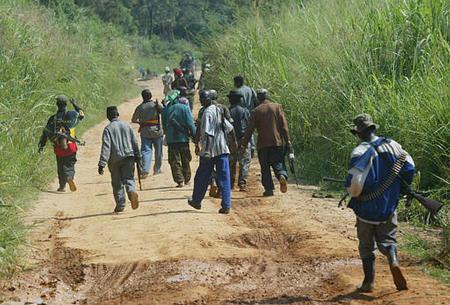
point(71, 149)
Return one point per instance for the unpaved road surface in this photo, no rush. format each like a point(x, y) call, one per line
point(288, 249)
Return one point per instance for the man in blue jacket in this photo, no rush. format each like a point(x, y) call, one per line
point(380, 171)
point(178, 127)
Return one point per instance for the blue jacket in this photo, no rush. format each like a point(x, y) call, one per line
point(368, 169)
point(174, 116)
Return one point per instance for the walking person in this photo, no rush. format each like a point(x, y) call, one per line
point(240, 120)
point(179, 80)
point(178, 125)
point(167, 80)
point(380, 172)
point(147, 115)
point(269, 120)
point(249, 101)
point(120, 151)
point(213, 152)
point(60, 130)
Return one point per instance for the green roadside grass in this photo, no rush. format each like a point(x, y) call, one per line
point(44, 54)
point(327, 61)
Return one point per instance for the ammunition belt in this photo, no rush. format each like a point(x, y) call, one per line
point(386, 184)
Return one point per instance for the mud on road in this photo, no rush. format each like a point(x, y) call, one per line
point(287, 249)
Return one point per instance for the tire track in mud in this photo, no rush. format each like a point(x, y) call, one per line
point(276, 271)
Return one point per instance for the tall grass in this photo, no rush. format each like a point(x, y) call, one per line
point(327, 61)
point(44, 53)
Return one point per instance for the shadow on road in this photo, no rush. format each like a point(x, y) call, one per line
point(169, 212)
point(165, 199)
point(85, 216)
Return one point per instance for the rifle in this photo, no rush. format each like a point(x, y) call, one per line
point(433, 206)
point(291, 160)
point(138, 168)
point(69, 138)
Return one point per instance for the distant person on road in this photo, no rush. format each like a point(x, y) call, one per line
point(179, 80)
point(248, 94)
point(249, 101)
point(203, 80)
point(213, 152)
point(60, 130)
point(269, 120)
point(240, 119)
point(167, 80)
point(147, 115)
point(376, 187)
point(179, 126)
point(187, 62)
point(120, 151)
point(191, 81)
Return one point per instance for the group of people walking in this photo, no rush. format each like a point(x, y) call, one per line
point(380, 170)
point(223, 138)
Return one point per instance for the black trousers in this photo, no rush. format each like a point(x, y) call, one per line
point(66, 168)
point(271, 157)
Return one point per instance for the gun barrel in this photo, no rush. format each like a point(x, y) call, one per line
point(430, 204)
point(333, 180)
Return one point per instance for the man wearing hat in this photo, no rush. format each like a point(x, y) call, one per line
point(120, 151)
point(269, 120)
point(380, 171)
point(240, 118)
point(60, 130)
point(167, 80)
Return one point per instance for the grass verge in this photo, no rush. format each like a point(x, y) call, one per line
point(44, 53)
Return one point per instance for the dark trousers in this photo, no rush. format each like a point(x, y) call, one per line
point(66, 168)
point(179, 159)
point(122, 179)
point(271, 157)
point(203, 177)
point(372, 236)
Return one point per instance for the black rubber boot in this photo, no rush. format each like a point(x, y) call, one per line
point(369, 274)
point(397, 275)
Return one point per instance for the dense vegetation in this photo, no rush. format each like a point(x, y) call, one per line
point(43, 54)
point(327, 62)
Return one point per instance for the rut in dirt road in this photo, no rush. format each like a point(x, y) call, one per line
point(287, 249)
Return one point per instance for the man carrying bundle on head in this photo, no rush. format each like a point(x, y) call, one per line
point(60, 129)
point(147, 115)
point(270, 122)
point(380, 172)
point(120, 151)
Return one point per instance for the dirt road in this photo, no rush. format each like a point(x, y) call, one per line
point(289, 249)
